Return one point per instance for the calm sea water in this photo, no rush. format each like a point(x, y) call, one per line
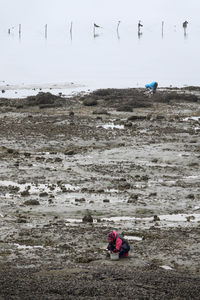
point(108, 59)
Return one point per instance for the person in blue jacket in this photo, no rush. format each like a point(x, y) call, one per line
point(152, 87)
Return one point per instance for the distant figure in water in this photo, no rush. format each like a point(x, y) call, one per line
point(117, 244)
point(185, 26)
point(152, 87)
point(139, 27)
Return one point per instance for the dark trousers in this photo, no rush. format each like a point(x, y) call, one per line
point(122, 251)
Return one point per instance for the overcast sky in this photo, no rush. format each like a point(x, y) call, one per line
point(59, 11)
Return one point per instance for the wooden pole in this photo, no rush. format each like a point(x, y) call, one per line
point(118, 29)
point(20, 30)
point(46, 31)
point(162, 28)
point(71, 30)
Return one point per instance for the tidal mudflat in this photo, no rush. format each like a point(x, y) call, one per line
point(74, 168)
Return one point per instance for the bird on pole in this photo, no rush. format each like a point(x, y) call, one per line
point(95, 26)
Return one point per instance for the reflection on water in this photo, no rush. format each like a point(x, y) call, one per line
point(115, 55)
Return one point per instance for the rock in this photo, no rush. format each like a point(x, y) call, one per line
point(27, 154)
point(43, 99)
point(87, 219)
point(106, 200)
point(156, 218)
point(136, 118)
point(58, 159)
point(133, 198)
point(21, 220)
point(100, 112)
point(43, 194)
point(191, 196)
point(125, 108)
point(3, 91)
point(124, 186)
point(189, 218)
point(80, 200)
point(32, 202)
point(25, 193)
point(128, 124)
point(10, 151)
point(153, 194)
point(69, 152)
point(71, 113)
point(90, 102)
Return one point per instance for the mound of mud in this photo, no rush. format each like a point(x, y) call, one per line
point(174, 96)
point(119, 99)
point(43, 100)
point(128, 99)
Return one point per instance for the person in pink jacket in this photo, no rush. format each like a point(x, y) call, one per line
point(117, 244)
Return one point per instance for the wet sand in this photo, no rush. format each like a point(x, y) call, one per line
point(124, 159)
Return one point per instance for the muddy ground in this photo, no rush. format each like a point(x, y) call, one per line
point(72, 169)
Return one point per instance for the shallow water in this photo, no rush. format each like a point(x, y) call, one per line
point(106, 58)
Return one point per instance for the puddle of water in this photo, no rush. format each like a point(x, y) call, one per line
point(24, 247)
point(180, 217)
point(132, 238)
point(73, 221)
point(196, 207)
point(112, 126)
point(34, 189)
point(166, 267)
point(191, 118)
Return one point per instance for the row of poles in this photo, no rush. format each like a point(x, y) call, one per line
point(95, 27)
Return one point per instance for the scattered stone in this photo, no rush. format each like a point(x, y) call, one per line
point(71, 113)
point(191, 196)
point(124, 186)
point(189, 218)
point(87, 219)
point(31, 202)
point(27, 154)
point(58, 159)
point(21, 220)
point(10, 151)
point(156, 218)
point(90, 102)
point(44, 194)
point(69, 152)
point(128, 124)
point(100, 112)
point(25, 193)
point(106, 200)
point(80, 200)
point(153, 194)
point(136, 118)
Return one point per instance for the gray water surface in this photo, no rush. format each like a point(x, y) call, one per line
point(106, 57)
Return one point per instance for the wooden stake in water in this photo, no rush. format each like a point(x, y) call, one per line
point(46, 31)
point(71, 30)
point(20, 30)
point(162, 28)
point(118, 29)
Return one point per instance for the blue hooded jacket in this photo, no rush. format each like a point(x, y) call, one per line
point(150, 85)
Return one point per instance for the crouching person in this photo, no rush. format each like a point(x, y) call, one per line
point(117, 244)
